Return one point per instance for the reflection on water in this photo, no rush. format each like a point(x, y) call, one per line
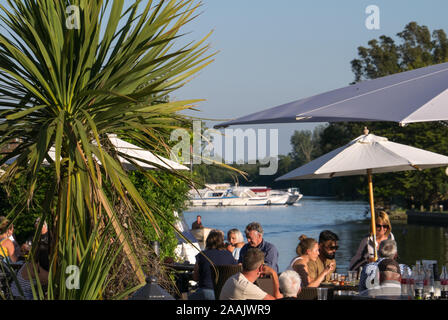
point(283, 225)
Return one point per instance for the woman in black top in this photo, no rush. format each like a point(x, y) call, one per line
point(215, 251)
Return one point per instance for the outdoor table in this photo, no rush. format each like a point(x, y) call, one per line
point(180, 266)
point(183, 274)
point(340, 292)
point(339, 287)
point(384, 298)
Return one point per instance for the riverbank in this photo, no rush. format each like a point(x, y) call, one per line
point(430, 217)
point(436, 218)
point(398, 215)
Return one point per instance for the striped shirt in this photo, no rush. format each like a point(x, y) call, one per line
point(25, 285)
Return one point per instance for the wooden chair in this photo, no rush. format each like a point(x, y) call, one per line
point(308, 294)
point(224, 273)
point(266, 285)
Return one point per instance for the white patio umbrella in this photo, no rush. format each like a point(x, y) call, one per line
point(132, 151)
point(367, 154)
point(136, 153)
point(419, 95)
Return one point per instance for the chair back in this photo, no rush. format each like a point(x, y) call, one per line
point(266, 285)
point(222, 273)
point(307, 294)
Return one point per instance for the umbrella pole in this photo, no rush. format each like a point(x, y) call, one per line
point(372, 211)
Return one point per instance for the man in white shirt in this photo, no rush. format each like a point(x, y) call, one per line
point(241, 285)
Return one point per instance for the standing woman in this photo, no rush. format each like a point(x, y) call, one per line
point(215, 252)
point(366, 250)
point(7, 249)
point(308, 250)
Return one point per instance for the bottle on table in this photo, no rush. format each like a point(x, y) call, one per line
point(437, 285)
point(428, 283)
point(404, 282)
point(418, 282)
point(444, 283)
point(411, 282)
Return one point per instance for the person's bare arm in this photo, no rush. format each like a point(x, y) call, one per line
point(13, 254)
point(276, 286)
point(316, 282)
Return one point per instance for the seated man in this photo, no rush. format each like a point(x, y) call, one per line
point(387, 250)
point(241, 285)
point(328, 244)
point(390, 280)
point(254, 235)
point(290, 284)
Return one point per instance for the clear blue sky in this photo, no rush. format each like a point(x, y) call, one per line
point(273, 52)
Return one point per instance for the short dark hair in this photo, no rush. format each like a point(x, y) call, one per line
point(328, 235)
point(253, 258)
point(254, 226)
point(390, 265)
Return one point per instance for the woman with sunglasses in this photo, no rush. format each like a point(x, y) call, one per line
point(366, 250)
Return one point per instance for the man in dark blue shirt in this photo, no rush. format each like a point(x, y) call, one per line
point(254, 235)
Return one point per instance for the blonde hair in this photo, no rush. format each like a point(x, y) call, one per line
point(384, 217)
point(237, 233)
point(305, 244)
point(4, 225)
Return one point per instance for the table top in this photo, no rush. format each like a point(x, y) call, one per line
point(333, 286)
point(180, 266)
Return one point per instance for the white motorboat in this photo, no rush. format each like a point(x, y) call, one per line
point(293, 195)
point(226, 195)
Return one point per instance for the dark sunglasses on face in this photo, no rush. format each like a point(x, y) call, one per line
point(333, 247)
point(385, 226)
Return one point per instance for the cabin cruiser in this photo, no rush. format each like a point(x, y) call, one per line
point(293, 194)
point(227, 195)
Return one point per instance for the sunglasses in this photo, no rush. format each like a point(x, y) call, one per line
point(385, 226)
point(333, 247)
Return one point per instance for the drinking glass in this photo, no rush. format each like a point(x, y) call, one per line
point(352, 277)
point(334, 276)
point(341, 279)
point(322, 293)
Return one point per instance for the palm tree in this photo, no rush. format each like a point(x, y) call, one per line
point(67, 80)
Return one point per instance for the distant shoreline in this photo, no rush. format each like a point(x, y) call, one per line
point(320, 197)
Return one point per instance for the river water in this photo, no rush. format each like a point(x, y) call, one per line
point(350, 220)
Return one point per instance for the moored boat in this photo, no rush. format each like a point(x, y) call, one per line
point(227, 195)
